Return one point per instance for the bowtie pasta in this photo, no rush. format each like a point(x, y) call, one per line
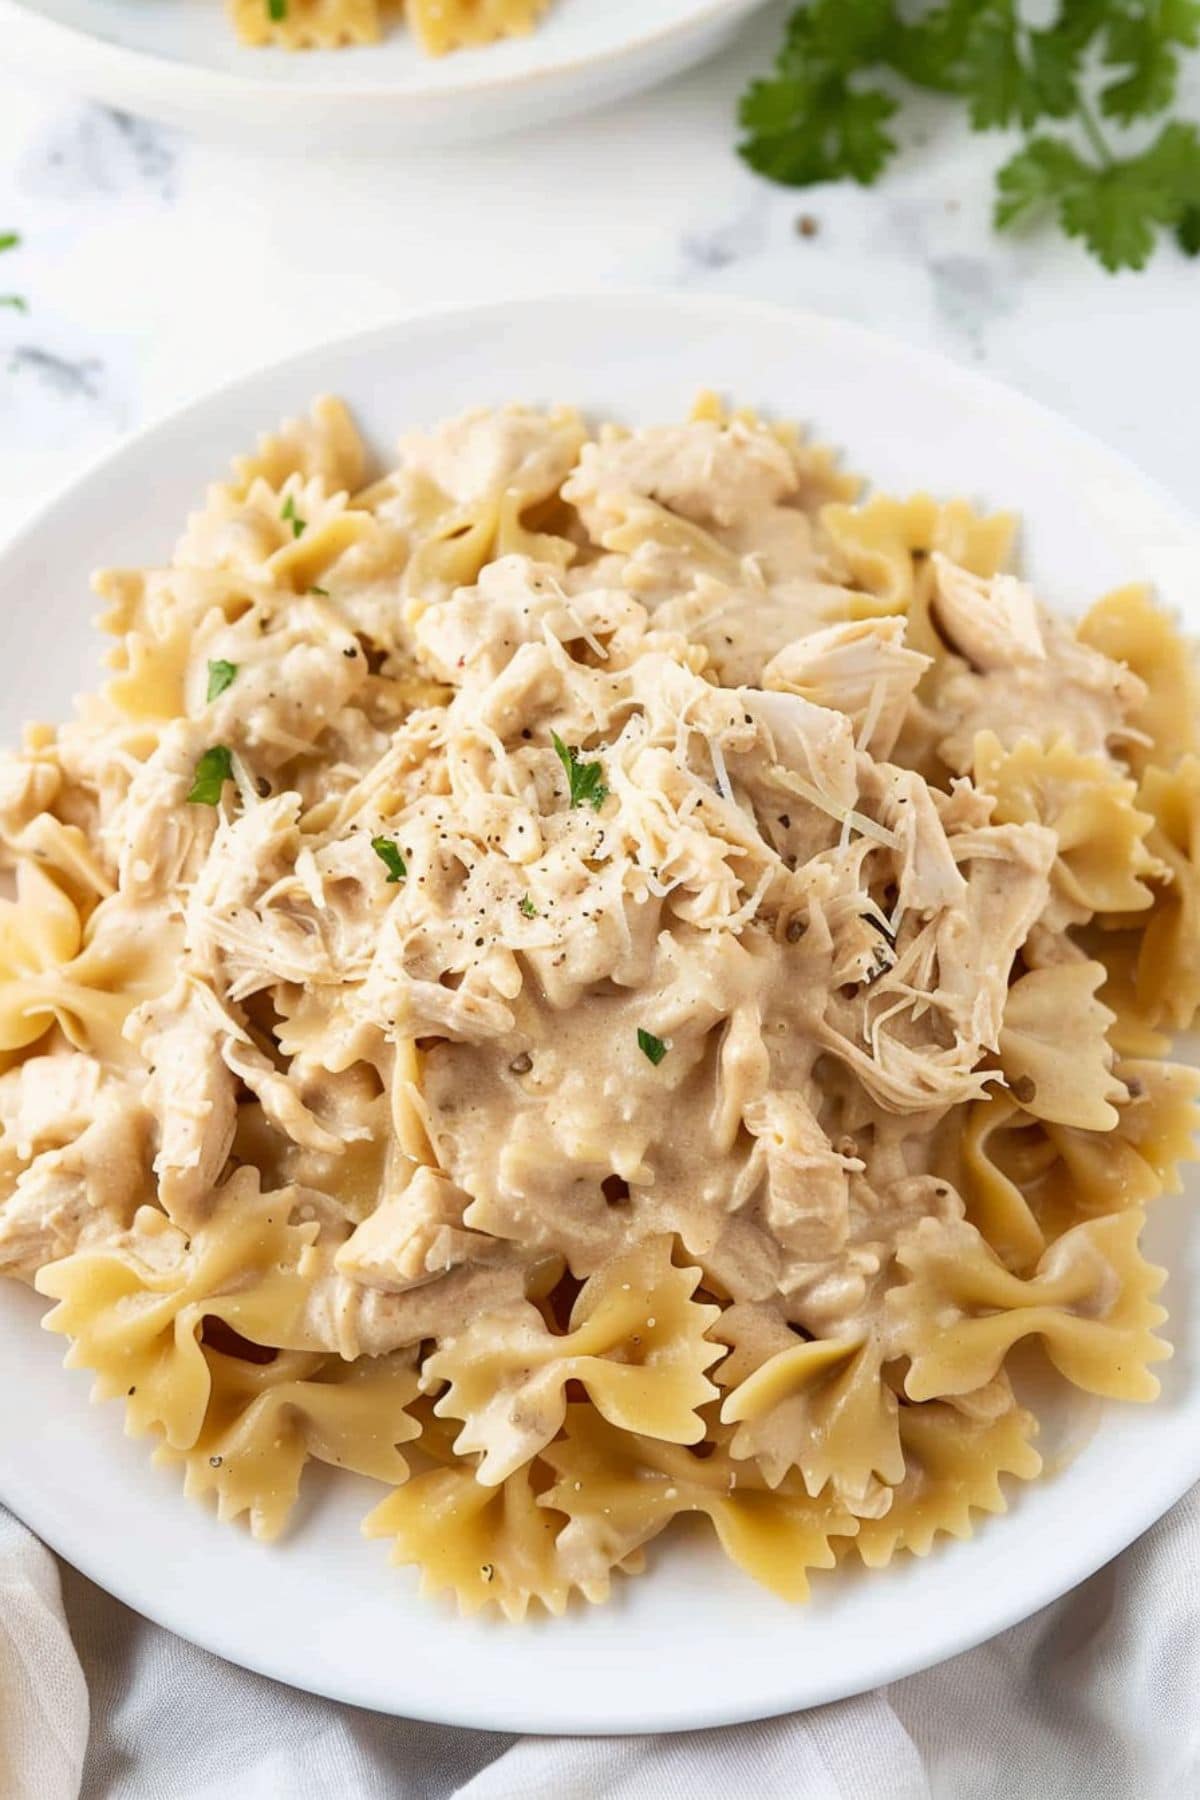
point(438, 25)
point(591, 978)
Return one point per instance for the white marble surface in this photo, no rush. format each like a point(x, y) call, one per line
point(157, 267)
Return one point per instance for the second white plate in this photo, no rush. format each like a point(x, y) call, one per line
point(691, 1643)
point(178, 61)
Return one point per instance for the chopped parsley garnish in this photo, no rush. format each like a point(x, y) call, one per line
point(527, 907)
point(220, 676)
point(213, 770)
point(587, 785)
point(9, 240)
point(389, 855)
point(651, 1046)
point(277, 9)
point(288, 511)
point(324, 592)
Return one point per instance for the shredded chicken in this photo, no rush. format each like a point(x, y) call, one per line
point(531, 878)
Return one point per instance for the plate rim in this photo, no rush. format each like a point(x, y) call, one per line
point(175, 78)
point(698, 1709)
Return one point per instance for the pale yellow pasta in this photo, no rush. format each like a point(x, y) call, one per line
point(443, 25)
point(636, 1342)
point(490, 1545)
point(1104, 862)
point(882, 544)
point(265, 1421)
point(820, 1407)
point(960, 1311)
point(953, 1464)
point(1054, 1047)
point(1168, 966)
point(135, 1313)
point(1128, 627)
point(619, 1491)
point(588, 979)
point(438, 25)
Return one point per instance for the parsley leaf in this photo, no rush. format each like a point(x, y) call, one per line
point(389, 855)
point(1145, 42)
point(277, 11)
point(1187, 232)
point(652, 1046)
point(587, 785)
point(220, 677)
point(525, 905)
point(288, 511)
point(10, 240)
point(1115, 206)
point(822, 114)
point(1011, 75)
point(808, 122)
point(213, 770)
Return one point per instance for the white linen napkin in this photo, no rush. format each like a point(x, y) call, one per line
point(1096, 1698)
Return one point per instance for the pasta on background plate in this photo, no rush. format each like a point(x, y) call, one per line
point(596, 978)
point(438, 25)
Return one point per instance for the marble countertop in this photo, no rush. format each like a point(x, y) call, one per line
point(157, 267)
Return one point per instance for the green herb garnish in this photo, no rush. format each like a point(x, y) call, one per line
point(823, 114)
point(651, 1046)
point(9, 240)
point(220, 676)
point(288, 511)
point(324, 592)
point(587, 786)
point(389, 855)
point(213, 770)
point(526, 906)
point(277, 9)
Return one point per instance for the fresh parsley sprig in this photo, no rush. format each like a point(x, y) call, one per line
point(823, 115)
point(585, 778)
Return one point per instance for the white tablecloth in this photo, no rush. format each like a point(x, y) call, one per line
point(1096, 1698)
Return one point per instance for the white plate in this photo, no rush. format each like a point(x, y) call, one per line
point(693, 1642)
point(178, 60)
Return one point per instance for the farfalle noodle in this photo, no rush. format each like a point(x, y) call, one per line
point(438, 25)
point(635, 1342)
point(265, 1421)
point(590, 976)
